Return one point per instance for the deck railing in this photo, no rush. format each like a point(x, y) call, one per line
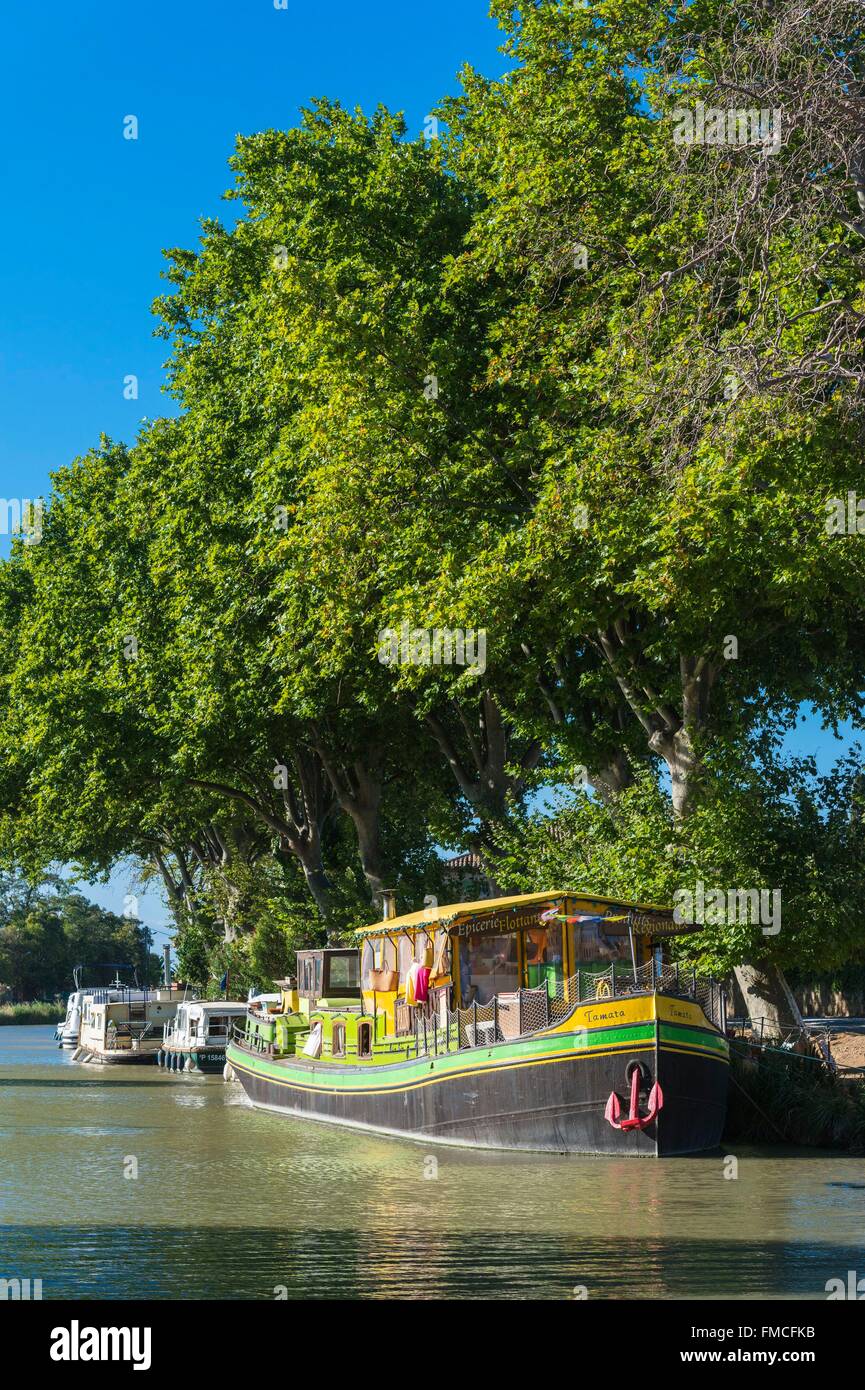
point(524, 1011)
point(433, 1028)
point(214, 1037)
point(134, 1030)
point(253, 1041)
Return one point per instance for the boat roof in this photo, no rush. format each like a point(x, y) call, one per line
point(87, 991)
point(452, 914)
point(214, 1005)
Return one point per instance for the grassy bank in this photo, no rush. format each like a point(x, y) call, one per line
point(30, 1013)
point(782, 1098)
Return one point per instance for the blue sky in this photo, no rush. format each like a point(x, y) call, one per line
point(87, 212)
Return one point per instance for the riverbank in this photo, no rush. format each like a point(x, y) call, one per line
point(781, 1098)
point(37, 1012)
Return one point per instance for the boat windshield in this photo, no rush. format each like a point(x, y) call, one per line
point(596, 948)
point(344, 973)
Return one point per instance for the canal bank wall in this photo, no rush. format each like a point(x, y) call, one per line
point(840, 994)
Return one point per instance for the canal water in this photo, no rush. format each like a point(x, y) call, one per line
point(127, 1182)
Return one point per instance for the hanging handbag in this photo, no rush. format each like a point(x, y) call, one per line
point(440, 973)
point(384, 981)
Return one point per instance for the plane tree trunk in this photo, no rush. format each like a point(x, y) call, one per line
point(295, 811)
point(772, 1009)
point(357, 786)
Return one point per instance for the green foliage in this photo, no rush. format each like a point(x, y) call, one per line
point(28, 1013)
point(768, 823)
point(46, 931)
point(478, 383)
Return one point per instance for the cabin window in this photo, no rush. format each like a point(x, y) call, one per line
point(309, 975)
point(364, 1040)
point(488, 966)
point(337, 1047)
point(596, 949)
point(343, 974)
point(542, 948)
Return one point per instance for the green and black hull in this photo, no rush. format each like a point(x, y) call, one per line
point(210, 1060)
point(545, 1092)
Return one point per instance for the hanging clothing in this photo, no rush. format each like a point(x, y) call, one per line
point(417, 983)
point(312, 1046)
point(411, 983)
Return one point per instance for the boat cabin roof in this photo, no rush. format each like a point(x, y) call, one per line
point(215, 1006)
point(647, 919)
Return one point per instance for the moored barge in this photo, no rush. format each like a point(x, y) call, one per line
point(196, 1038)
point(125, 1030)
point(546, 1022)
point(68, 1028)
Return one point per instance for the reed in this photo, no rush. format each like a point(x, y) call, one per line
point(36, 1012)
point(777, 1098)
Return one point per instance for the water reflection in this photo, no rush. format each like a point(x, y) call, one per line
point(200, 1262)
point(230, 1202)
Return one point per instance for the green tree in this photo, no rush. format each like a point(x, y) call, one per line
point(48, 929)
point(558, 377)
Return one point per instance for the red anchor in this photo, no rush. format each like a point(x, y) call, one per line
point(635, 1120)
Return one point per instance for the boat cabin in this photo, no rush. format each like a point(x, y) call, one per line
point(329, 976)
point(469, 974)
point(472, 953)
point(68, 1029)
point(126, 1029)
point(203, 1023)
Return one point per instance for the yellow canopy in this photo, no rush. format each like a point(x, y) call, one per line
point(453, 913)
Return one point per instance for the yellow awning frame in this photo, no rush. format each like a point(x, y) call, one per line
point(454, 914)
